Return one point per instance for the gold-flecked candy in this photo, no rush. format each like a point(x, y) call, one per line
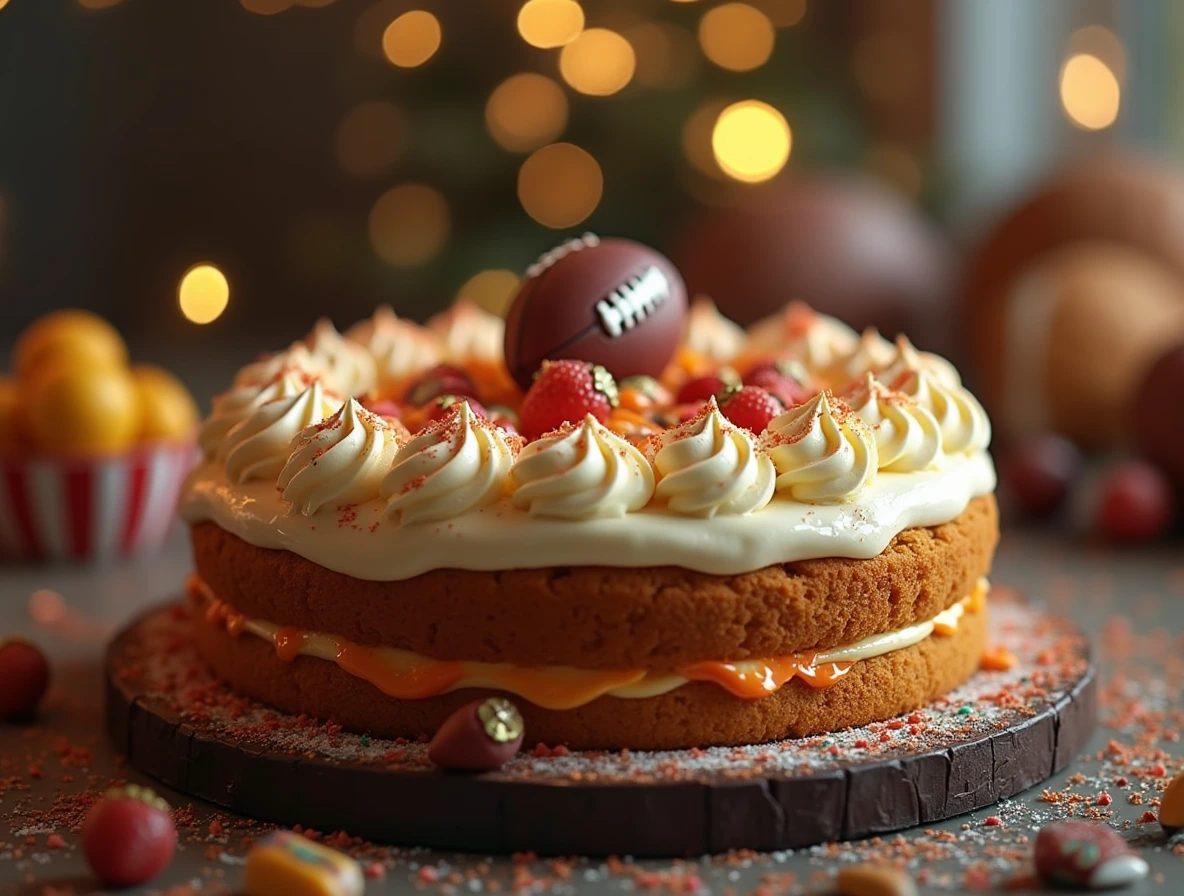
point(874, 880)
point(500, 719)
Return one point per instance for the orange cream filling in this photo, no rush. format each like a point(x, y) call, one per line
point(409, 676)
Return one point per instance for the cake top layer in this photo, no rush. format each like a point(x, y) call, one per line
point(420, 430)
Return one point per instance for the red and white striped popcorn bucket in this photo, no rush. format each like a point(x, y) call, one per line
point(96, 508)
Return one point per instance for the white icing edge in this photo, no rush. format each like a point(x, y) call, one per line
point(499, 536)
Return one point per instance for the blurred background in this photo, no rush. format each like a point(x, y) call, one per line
point(911, 165)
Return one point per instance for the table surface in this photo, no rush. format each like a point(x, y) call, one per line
point(1131, 602)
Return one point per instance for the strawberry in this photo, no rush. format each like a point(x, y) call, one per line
point(787, 380)
point(700, 389)
point(128, 837)
point(441, 407)
point(563, 392)
point(751, 407)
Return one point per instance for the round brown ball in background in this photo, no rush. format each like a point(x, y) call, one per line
point(1157, 415)
point(1071, 296)
point(847, 245)
point(612, 302)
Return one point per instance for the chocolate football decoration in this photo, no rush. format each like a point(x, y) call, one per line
point(1083, 854)
point(480, 736)
point(613, 302)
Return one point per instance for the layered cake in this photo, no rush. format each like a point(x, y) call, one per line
point(644, 525)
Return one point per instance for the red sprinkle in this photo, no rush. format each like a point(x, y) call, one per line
point(55, 841)
point(1147, 817)
point(993, 821)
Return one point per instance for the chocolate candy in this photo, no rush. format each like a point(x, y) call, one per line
point(1157, 415)
point(24, 678)
point(1171, 806)
point(613, 302)
point(1083, 854)
point(286, 864)
point(874, 880)
point(128, 837)
point(480, 736)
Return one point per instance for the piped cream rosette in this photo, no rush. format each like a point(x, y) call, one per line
point(821, 450)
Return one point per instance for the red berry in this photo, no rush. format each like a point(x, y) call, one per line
point(384, 408)
point(700, 389)
point(24, 678)
point(443, 406)
point(785, 379)
point(563, 392)
point(1037, 474)
point(128, 837)
point(751, 407)
point(1136, 503)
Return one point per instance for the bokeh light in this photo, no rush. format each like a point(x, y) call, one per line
point(203, 294)
point(736, 36)
point(666, 54)
point(696, 137)
point(411, 39)
point(599, 62)
point(267, 7)
point(560, 185)
point(751, 141)
point(1100, 41)
point(409, 224)
point(3, 3)
point(1090, 92)
point(46, 607)
point(369, 138)
point(886, 67)
point(492, 290)
point(526, 111)
point(550, 23)
point(782, 13)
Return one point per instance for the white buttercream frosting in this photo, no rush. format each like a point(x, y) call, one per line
point(906, 356)
point(400, 348)
point(267, 367)
point(581, 472)
point(349, 367)
point(708, 466)
point(965, 427)
point(800, 332)
point(456, 466)
point(339, 461)
point(907, 435)
point(469, 333)
point(873, 352)
point(821, 450)
point(258, 447)
point(711, 334)
point(232, 407)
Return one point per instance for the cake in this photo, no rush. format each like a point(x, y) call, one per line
point(787, 532)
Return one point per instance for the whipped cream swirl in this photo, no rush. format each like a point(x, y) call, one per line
point(469, 333)
point(712, 335)
point(339, 461)
point(400, 348)
point(821, 450)
point(965, 427)
point(801, 333)
point(455, 466)
point(267, 367)
point(258, 447)
point(581, 472)
point(872, 352)
point(907, 435)
point(348, 366)
point(709, 466)
point(233, 407)
point(908, 357)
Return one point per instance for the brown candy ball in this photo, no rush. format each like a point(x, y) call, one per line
point(24, 678)
point(1157, 415)
point(480, 736)
point(612, 302)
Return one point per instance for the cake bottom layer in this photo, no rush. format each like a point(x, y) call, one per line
point(698, 714)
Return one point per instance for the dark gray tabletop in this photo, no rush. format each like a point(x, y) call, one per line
point(1132, 602)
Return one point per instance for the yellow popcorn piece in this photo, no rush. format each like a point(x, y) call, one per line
point(286, 864)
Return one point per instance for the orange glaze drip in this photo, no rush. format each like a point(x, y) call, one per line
point(218, 612)
point(288, 642)
point(404, 681)
point(974, 602)
point(765, 676)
